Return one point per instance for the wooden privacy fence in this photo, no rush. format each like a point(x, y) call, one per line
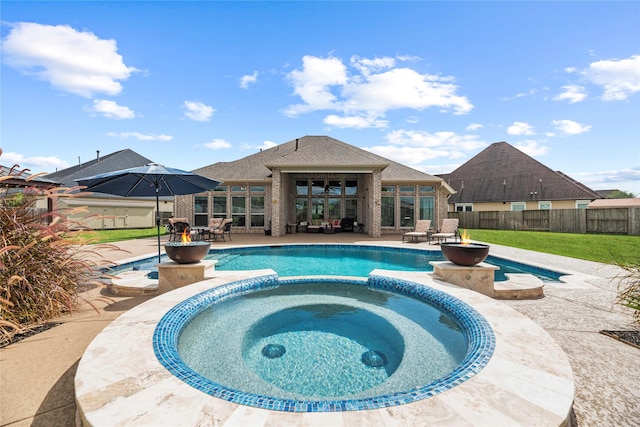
point(605, 221)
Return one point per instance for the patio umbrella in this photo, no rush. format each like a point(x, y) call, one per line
point(148, 181)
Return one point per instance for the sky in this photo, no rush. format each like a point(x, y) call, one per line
point(425, 83)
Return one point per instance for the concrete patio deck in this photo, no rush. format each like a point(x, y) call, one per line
point(37, 373)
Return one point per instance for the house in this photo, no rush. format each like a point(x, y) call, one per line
point(503, 178)
point(109, 211)
point(14, 180)
point(316, 180)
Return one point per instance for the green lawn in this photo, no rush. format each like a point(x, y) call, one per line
point(107, 236)
point(605, 248)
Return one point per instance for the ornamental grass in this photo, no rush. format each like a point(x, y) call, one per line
point(43, 265)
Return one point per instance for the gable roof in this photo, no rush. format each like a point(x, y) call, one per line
point(502, 173)
point(122, 159)
point(312, 154)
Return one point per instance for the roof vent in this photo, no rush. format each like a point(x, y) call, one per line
point(296, 144)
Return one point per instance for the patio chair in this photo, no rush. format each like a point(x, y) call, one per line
point(225, 227)
point(448, 230)
point(420, 230)
point(176, 227)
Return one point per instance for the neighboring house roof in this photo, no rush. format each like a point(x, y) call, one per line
point(615, 203)
point(502, 173)
point(605, 193)
point(311, 154)
point(122, 159)
point(22, 178)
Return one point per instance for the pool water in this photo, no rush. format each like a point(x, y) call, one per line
point(321, 340)
point(349, 260)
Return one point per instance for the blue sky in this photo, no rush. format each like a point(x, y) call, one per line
point(427, 84)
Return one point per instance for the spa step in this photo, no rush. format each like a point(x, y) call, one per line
point(519, 286)
point(136, 282)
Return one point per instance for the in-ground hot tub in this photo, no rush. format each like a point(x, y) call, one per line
point(330, 345)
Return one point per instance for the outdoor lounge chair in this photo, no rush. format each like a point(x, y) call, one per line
point(225, 227)
point(176, 227)
point(420, 230)
point(448, 230)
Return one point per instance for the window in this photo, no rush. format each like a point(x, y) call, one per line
point(387, 213)
point(351, 208)
point(201, 210)
point(257, 188)
point(238, 210)
point(427, 189)
point(302, 188)
point(220, 206)
point(220, 188)
point(257, 211)
point(351, 188)
point(464, 207)
point(335, 188)
point(544, 206)
point(317, 188)
point(426, 208)
point(582, 204)
point(238, 188)
point(334, 208)
point(407, 189)
point(407, 211)
point(317, 208)
point(388, 189)
point(302, 209)
point(518, 206)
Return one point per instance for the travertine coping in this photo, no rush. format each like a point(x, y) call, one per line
point(528, 381)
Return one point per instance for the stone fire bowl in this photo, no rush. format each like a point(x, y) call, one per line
point(465, 254)
point(187, 253)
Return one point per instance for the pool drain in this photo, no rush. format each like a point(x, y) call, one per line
point(374, 359)
point(273, 350)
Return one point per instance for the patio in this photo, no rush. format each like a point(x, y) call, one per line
point(37, 373)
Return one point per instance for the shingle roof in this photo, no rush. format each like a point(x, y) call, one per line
point(21, 178)
point(122, 159)
point(311, 153)
point(501, 172)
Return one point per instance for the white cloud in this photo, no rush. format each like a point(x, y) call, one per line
point(532, 148)
point(140, 136)
point(530, 92)
point(111, 109)
point(619, 78)
point(73, 61)
point(520, 128)
point(569, 127)
point(313, 83)
point(623, 179)
point(217, 144)
point(34, 164)
point(198, 111)
point(474, 126)
point(415, 147)
point(265, 145)
point(571, 93)
point(246, 80)
point(369, 89)
point(355, 122)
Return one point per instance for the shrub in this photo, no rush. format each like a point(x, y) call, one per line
point(42, 267)
point(629, 290)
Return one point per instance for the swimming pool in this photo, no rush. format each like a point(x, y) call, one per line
point(424, 342)
point(349, 260)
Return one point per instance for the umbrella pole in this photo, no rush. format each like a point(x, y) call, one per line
point(158, 220)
